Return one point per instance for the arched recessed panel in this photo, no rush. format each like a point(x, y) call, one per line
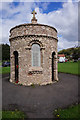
point(16, 65)
point(53, 53)
point(36, 42)
point(36, 58)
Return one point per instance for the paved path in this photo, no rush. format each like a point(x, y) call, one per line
point(39, 102)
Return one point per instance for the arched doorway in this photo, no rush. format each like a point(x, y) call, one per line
point(16, 65)
point(53, 53)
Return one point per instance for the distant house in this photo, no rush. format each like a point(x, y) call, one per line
point(61, 58)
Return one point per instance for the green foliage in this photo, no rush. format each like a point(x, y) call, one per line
point(5, 52)
point(13, 114)
point(69, 67)
point(71, 53)
point(71, 112)
point(66, 51)
point(76, 53)
point(33, 85)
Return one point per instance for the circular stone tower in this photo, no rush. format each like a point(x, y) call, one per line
point(33, 53)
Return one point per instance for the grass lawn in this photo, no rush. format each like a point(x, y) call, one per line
point(4, 70)
point(0, 63)
point(71, 112)
point(69, 67)
point(13, 114)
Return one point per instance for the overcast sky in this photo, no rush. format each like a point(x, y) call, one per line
point(61, 15)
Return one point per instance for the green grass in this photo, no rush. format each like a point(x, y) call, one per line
point(0, 63)
point(69, 67)
point(13, 114)
point(4, 70)
point(71, 112)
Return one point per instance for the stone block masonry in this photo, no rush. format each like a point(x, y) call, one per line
point(22, 38)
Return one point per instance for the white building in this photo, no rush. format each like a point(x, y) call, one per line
point(61, 58)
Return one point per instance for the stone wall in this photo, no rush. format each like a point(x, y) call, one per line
point(21, 39)
point(33, 29)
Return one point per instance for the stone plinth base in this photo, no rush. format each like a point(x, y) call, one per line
point(30, 84)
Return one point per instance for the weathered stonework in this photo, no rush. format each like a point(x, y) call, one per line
point(22, 38)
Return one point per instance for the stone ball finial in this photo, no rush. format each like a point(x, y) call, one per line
point(34, 20)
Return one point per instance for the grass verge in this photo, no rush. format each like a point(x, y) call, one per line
point(69, 67)
point(69, 113)
point(13, 114)
point(4, 70)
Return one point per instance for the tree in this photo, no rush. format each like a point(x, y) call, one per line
point(5, 52)
point(76, 53)
point(71, 53)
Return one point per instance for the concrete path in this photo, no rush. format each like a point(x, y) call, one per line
point(40, 101)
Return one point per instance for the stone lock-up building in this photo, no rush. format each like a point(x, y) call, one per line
point(33, 53)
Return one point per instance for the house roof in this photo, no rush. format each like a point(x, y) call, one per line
point(61, 55)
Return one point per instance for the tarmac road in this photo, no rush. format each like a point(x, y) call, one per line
point(40, 101)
